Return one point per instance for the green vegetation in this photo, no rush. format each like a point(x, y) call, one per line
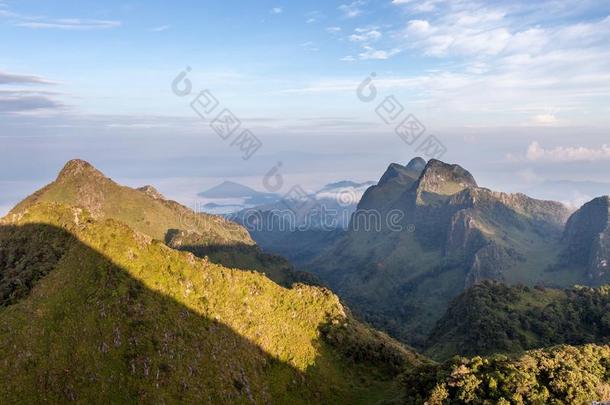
point(145, 210)
point(79, 184)
point(120, 317)
point(495, 318)
point(110, 294)
point(561, 375)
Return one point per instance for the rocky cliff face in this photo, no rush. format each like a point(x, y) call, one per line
point(441, 179)
point(587, 238)
point(453, 234)
point(394, 182)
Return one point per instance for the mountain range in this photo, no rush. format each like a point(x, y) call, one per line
point(302, 225)
point(114, 294)
point(452, 234)
point(229, 197)
point(97, 306)
point(235, 201)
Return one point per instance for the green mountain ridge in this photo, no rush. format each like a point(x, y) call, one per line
point(147, 211)
point(118, 316)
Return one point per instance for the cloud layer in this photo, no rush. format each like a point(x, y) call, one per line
point(561, 154)
point(26, 100)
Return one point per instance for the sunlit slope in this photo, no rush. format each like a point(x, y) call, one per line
point(97, 312)
point(146, 211)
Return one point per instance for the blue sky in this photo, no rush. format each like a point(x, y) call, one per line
point(518, 92)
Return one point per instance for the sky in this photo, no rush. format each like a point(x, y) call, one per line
point(517, 92)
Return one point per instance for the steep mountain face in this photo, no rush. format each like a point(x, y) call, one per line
point(441, 179)
point(418, 240)
point(393, 183)
point(147, 211)
point(93, 311)
point(587, 240)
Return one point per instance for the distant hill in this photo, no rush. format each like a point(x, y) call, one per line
point(569, 191)
point(453, 234)
point(229, 189)
point(300, 230)
point(229, 197)
point(495, 318)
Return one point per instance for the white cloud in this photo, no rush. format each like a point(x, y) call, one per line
point(352, 9)
point(537, 153)
point(333, 30)
point(419, 6)
point(29, 100)
point(365, 35)
point(43, 22)
point(419, 27)
point(12, 78)
point(310, 46)
point(160, 28)
point(459, 37)
point(70, 24)
point(276, 10)
point(545, 119)
point(377, 54)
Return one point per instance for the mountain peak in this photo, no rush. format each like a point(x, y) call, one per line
point(417, 164)
point(444, 179)
point(229, 189)
point(395, 172)
point(78, 168)
point(152, 192)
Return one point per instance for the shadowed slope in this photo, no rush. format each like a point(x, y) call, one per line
point(587, 241)
point(105, 314)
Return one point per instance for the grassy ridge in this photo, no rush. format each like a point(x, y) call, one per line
point(145, 210)
point(120, 317)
